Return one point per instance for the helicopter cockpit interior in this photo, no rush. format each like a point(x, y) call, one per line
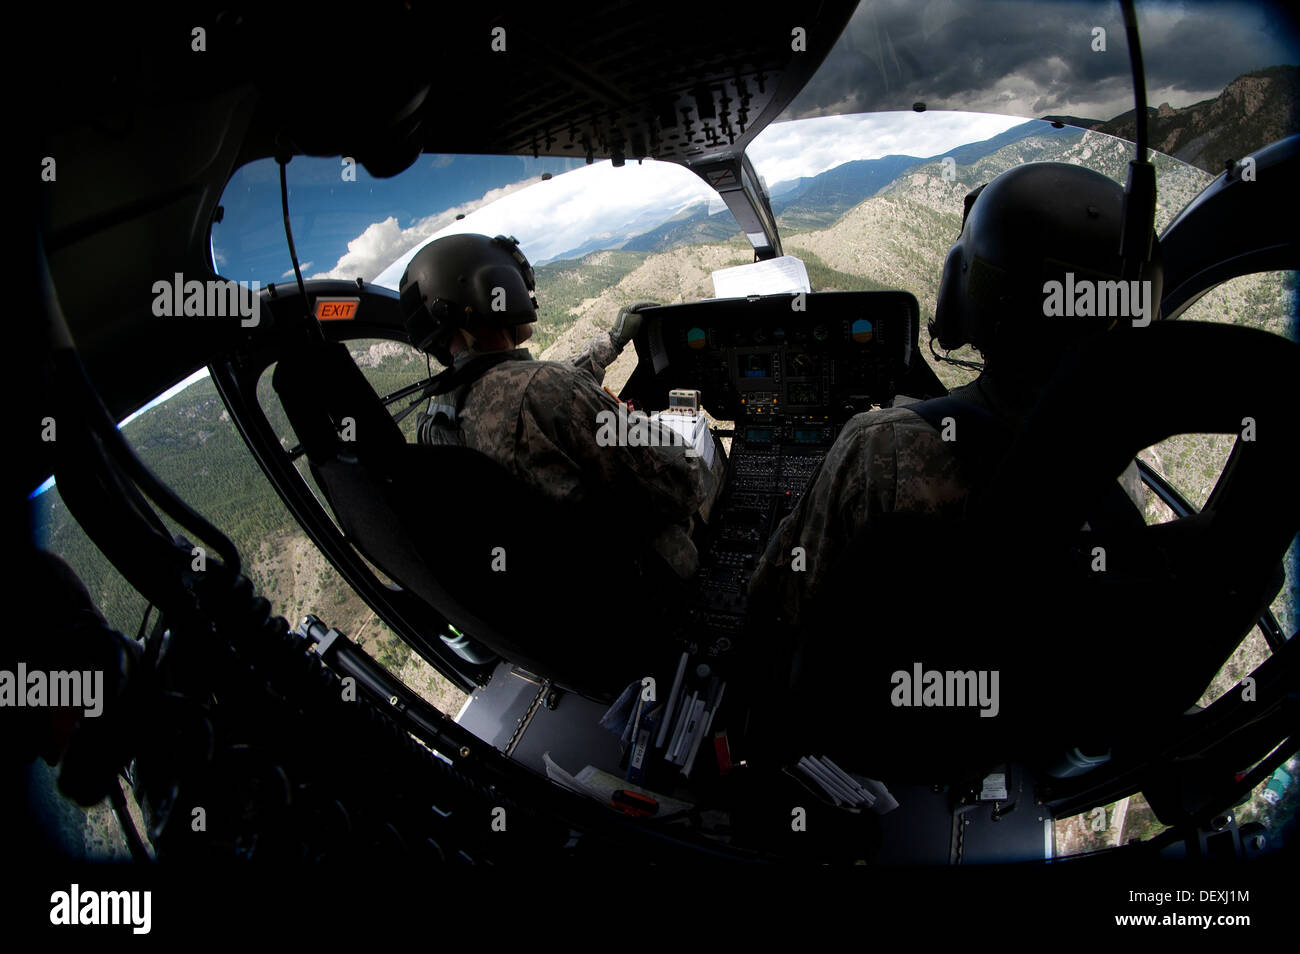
point(614, 710)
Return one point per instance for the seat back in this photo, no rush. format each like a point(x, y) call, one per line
point(555, 590)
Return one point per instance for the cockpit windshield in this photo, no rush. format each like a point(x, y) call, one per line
point(867, 201)
point(348, 224)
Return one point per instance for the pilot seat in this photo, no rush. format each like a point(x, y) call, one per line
point(556, 590)
point(1104, 638)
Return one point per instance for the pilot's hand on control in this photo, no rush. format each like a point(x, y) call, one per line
point(628, 323)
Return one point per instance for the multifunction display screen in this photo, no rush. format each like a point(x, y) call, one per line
point(805, 394)
point(755, 365)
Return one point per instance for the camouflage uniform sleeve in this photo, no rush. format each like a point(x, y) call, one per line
point(882, 461)
point(597, 355)
point(562, 421)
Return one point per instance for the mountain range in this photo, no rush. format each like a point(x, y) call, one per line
point(809, 202)
point(1252, 111)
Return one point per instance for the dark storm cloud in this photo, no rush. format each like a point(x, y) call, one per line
point(1034, 59)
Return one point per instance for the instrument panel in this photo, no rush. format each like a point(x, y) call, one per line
point(811, 360)
point(789, 370)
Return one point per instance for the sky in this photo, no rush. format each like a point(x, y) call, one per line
point(1038, 59)
point(789, 150)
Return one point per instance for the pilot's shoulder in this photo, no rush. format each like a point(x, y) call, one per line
point(553, 368)
point(890, 438)
point(556, 380)
point(871, 425)
point(507, 380)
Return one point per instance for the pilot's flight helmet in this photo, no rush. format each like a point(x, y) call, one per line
point(1031, 225)
point(465, 281)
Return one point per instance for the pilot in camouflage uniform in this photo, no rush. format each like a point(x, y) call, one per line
point(882, 461)
point(1033, 218)
point(540, 419)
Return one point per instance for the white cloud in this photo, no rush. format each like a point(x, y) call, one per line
point(374, 248)
point(564, 212)
point(806, 147)
point(301, 265)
